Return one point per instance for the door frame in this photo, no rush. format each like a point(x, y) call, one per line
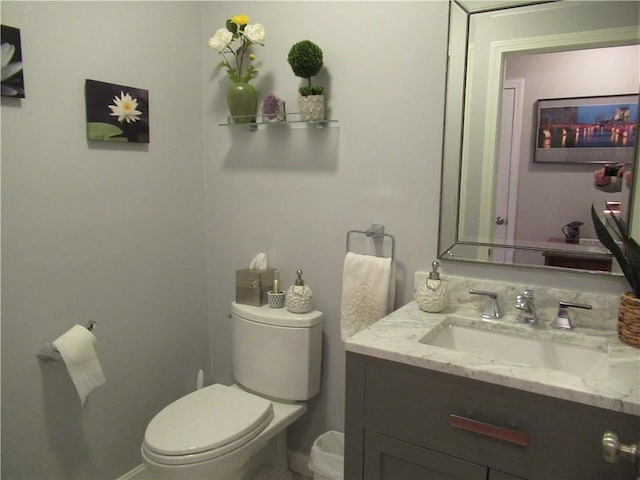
point(511, 163)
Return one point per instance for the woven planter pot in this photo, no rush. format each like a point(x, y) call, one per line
point(629, 320)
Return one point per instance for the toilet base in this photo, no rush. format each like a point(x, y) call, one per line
point(270, 462)
point(264, 461)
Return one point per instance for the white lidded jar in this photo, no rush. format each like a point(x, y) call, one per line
point(433, 295)
point(299, 297)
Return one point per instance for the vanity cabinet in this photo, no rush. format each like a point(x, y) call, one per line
point(388, 458)
point(405, 422)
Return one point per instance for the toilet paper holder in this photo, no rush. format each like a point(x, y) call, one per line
point(49, 353)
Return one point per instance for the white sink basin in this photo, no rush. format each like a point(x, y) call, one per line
point(505, 343)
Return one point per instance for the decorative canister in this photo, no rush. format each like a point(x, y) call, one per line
point(433, 294)
point(629, 319)
point(276, 299)
point(299, 298)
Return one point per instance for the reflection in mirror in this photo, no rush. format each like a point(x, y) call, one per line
point(503, 65)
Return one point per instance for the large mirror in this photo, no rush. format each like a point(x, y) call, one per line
point(539, 97)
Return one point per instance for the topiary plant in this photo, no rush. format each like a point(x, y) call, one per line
point(305, 58)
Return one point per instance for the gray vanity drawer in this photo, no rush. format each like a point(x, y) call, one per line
point(546, 438)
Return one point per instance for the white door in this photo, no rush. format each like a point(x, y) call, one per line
point(507, 175)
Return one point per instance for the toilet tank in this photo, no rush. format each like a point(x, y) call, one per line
point(277, 353)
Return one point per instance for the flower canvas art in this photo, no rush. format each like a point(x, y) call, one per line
point(12, 77)
point(116, 113)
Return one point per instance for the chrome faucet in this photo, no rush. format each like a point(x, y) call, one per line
point(491, 308)
point(563, 320)
point(526, 304)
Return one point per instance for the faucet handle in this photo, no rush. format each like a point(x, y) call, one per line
point(563, 320)
point(491, 308)
point(525, 302)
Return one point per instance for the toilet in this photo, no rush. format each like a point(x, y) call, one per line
point(239, 432)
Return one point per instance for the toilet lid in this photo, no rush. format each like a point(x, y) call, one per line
point(207, 419)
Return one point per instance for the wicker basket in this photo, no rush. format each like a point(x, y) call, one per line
point(629, 319)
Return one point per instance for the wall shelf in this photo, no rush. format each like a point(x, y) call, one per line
point(291, 121)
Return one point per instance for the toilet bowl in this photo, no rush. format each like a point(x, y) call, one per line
point(181, 442)
point(239, 431)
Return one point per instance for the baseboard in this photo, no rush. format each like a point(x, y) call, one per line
point(299, 463)
point(137, 473)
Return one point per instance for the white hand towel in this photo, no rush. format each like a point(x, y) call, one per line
point(368, 291)
point(76, 348)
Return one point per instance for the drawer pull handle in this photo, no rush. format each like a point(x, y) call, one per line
point(488, 430)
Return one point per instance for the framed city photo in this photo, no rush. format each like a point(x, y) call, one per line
point(601, 129)
point(116, 113)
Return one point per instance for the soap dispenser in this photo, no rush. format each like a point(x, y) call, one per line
point(433, 295)
point(299, 298)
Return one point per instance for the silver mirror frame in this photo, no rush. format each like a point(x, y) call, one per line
point(455, 143)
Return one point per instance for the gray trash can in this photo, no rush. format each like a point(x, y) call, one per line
point(327, 456)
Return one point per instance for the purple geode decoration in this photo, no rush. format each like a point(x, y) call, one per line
point(271, 108)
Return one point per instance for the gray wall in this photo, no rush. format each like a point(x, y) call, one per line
point(116, 234)
point(111, 233)
point(294, 193)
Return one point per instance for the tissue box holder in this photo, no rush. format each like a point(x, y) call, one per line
point(252, 286)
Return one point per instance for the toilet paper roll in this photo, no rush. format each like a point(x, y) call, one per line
point(76, 348)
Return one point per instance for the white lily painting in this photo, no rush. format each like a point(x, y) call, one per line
point(11, 54)
point(116, 113)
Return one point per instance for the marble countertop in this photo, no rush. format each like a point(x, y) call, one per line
point(396, 338)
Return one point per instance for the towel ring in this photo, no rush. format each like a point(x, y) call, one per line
point(377, 232)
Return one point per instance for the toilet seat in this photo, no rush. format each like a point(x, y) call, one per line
point(205, 424)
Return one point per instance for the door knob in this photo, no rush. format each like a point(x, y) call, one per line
point(500, 221)
point(612, 449)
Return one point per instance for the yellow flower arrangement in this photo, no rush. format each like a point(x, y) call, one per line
point(238, 29)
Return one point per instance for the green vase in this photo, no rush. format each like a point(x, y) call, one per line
point(242, 102)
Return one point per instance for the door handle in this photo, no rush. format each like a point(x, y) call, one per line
point(500, 221)
point(489, 430)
